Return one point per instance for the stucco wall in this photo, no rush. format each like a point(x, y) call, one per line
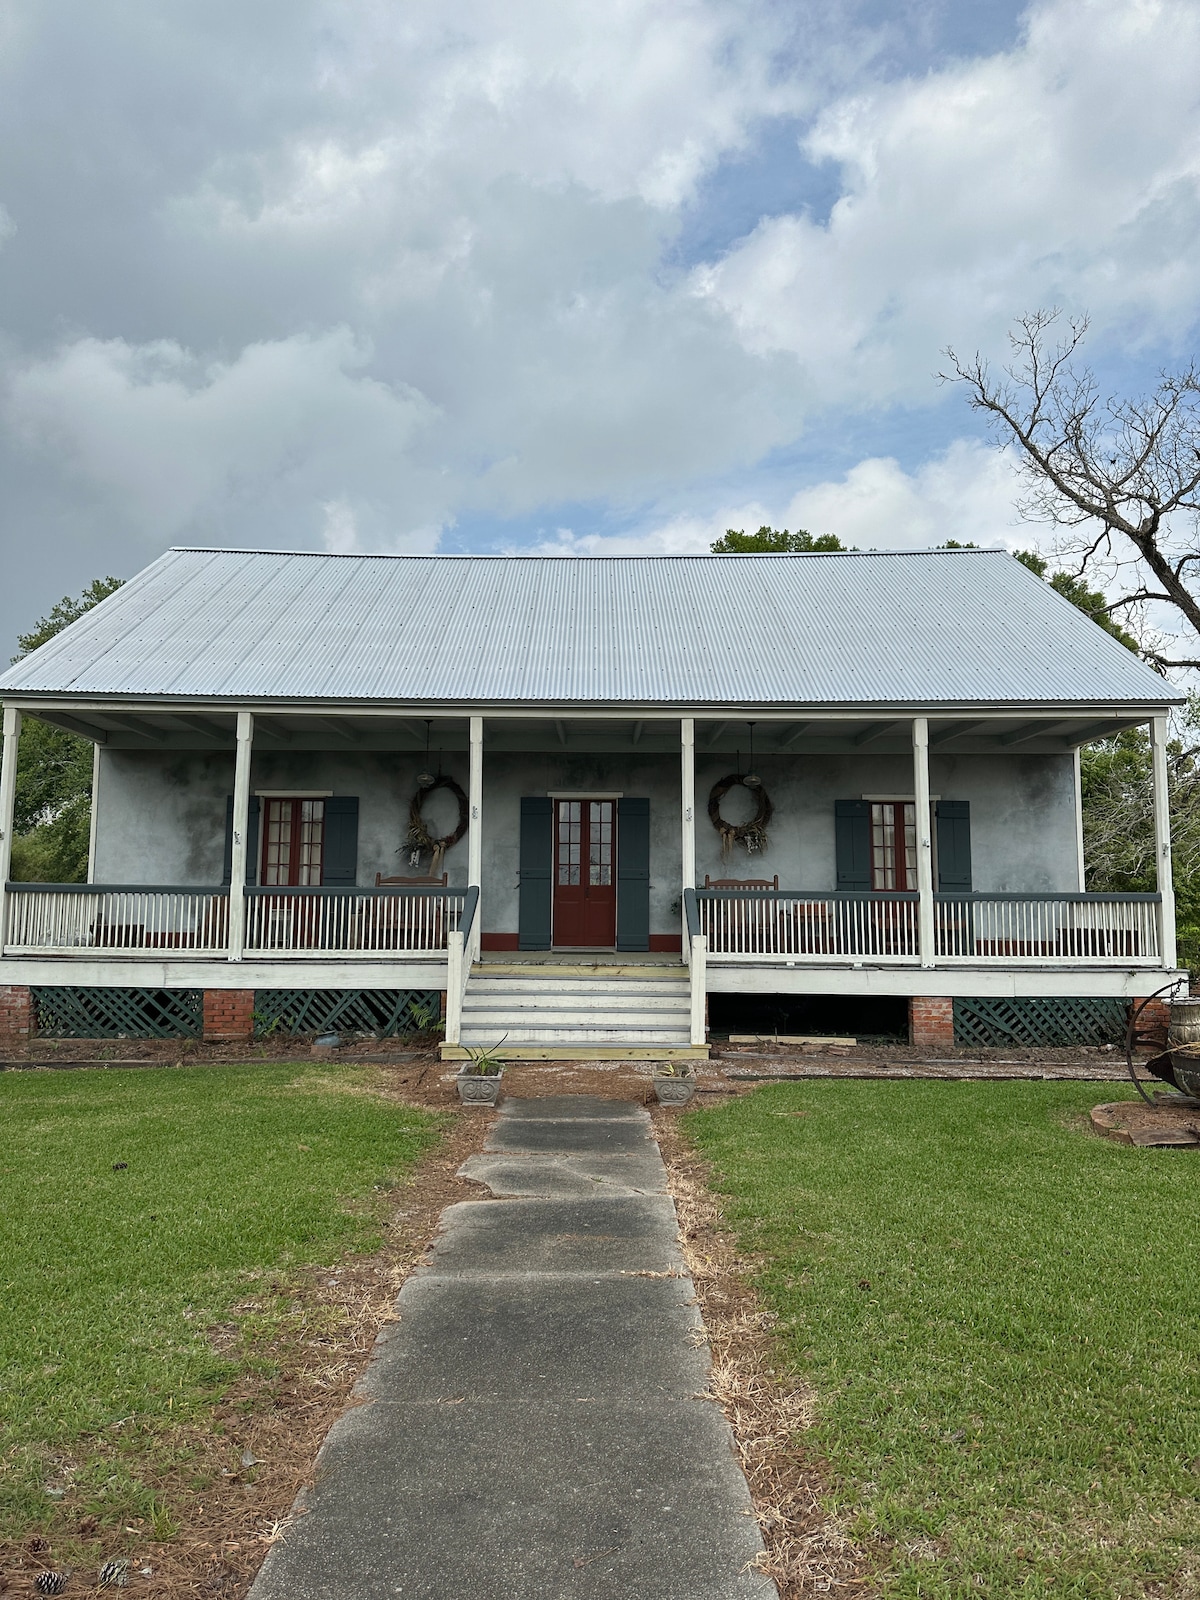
point(161, 816)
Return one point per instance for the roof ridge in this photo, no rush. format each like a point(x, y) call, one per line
point(566, 555)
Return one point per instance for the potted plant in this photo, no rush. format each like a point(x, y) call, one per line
point(479, 1077)
point(674, 1083)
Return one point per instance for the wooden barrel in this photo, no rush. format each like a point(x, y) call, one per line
point(1185, 1022)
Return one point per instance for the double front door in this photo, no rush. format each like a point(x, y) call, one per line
point(585, 882)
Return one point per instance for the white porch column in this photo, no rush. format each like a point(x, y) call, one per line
point(91, 877)
point(687, 821)
point(1162, 842)
point(475, 831)
point(925, 923)
point(1081, 869)
point(241, 815)
point(8, 800)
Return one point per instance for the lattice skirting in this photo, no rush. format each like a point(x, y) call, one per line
point(378, 1011)
point(71, 1013)
point(1034, 1021)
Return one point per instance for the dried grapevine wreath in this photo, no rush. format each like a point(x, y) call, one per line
point(752, 834)
point(419, 837)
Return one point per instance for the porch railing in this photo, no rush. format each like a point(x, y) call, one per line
point(73, 919)
point(746, 925)
point(338, 922)
point(1088, 929)
point(795, 924)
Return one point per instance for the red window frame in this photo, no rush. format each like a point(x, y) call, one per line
point(892, 821)
point(293, 841)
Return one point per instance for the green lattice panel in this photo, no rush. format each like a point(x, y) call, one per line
point(382, 1012)
point(1030, 1021)
point(77, 1013)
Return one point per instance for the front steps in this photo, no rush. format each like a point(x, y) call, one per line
point(576, 1012)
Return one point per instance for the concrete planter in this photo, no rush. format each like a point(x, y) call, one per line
point(477, 1090)
point(674, 1089)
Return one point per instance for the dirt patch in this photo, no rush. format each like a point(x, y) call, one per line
point(1134, 1122)
point(768, 1407)
point(234, 1478)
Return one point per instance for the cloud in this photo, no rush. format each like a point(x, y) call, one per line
point(965, 492)
point(1067, 169)
point(177, 446)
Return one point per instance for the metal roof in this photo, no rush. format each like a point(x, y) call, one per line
point(961, 627)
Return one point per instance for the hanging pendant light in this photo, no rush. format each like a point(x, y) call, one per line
point(425, 777)
point(752, 779)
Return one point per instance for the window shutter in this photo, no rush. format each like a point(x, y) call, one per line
point(633, 874)
point(535, 872)
point(339, 868)
point(852, 834)
point(251, 841)
point(954, 846)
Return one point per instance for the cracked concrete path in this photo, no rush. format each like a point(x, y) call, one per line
point(534, 1426)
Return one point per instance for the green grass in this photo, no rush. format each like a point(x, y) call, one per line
point(109, 1280)
point(1000, 1313)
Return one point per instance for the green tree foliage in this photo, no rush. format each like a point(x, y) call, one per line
point(1090, 601)
point(52, 818)
point(773, 542)
point(1118, 820)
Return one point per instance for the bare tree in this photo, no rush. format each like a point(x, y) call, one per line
point(1125, 473)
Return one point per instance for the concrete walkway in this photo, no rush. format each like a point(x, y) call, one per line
point(535, 1428)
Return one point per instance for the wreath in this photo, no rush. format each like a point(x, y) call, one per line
point(420, 839)
point(752, 834)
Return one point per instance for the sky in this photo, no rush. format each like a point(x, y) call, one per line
point(578, 276)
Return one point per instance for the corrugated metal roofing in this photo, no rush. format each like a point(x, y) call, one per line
point(926, 628)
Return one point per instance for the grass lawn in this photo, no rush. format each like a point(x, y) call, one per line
point(1000, 1313)
point(135, 1208)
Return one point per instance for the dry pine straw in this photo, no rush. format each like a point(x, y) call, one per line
point(281, 1414)
point(768, 1408)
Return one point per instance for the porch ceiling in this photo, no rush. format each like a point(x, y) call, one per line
point(154, 728)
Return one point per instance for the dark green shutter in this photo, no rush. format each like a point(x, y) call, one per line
point(852, 832)
point(633, 874)
point(339, 868)
point(536, 860)
point(251, 841)
point(954, 846)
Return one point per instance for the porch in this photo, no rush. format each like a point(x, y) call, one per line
point(544, 776)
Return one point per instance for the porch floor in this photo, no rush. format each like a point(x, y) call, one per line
point(532, 1425)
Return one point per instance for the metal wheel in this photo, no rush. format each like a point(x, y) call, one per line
point(1135, 1035)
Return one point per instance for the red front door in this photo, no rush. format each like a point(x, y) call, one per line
point(585, 882)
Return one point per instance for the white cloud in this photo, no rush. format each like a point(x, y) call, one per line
point(1067, 169)
point(181, 447)
point(965, 492)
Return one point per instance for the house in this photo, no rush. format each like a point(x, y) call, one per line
point(578, 798)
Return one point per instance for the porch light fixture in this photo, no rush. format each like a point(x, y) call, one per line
point(425, 777)
point(752, 779)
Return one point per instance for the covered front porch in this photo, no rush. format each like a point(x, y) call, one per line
point(583, 833)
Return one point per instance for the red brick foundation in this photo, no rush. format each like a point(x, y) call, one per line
point(1156, 1016)
point(229, 1013)
point(931, 1022)
point(16, 1013)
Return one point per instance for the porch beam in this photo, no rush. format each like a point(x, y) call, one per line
point(875, 731)
point(86, 730)
point(271, 730)
point(795, 736)
point(925, 925)
point(202, 726)
point(953, 730)
point(1098, 730)
point(145, 730)
point(714, 734)
point(8, 805)
point(338, 729)
point(638, 729)
point(560, 729)
point(1029, 730)
point(241, 823)
point(1159, 729)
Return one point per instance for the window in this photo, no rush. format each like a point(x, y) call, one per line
point(293, 842)
point(893, 844)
